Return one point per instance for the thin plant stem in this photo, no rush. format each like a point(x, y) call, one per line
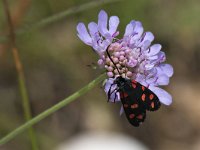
point(21, 78)
point(52, 109)
point(59, 16)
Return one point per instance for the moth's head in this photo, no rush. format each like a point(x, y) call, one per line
point(120, 81)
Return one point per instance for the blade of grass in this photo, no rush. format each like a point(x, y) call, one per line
point(53, 109)
point(59, 16)
point(21, 77)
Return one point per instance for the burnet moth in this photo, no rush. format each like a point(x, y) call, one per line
point(136, 98)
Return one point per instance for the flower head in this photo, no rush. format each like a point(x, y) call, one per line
point(133, 54)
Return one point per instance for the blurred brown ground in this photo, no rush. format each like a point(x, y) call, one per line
point(55, 63)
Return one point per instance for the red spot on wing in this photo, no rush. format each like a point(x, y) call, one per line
point(131, 116)
point(140, 116)
point(134, 85)
point(143, 97)
point(125, 105)
point(123, 94)
point(152, 104)
point(143, 88)
point(133, 81)
point(134, 106)
point(151, 96)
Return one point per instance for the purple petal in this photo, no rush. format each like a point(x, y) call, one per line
point(148, 37)
point(121, 111)
point(163, 80)
point(149, 66)
point(146, 44)
point(136, 34)
point(113, 24)
point(108, 83)
point(138, 29)
point(129, 30)
point(166, 69)
point(104, 45)
point(154, 49)
point(102, 22)
point(114, 95)
point(83, 34)
point(93, 28)
point(134, 23)
point(163, 96)
point(141, 79)
point(131, 63)
point(115, 34)
point(151, 81)
point(153, 57)
point(161, 57)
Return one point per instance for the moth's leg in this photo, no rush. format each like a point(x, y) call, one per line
point(115, 94)
point(121, 95)
point(109, 91)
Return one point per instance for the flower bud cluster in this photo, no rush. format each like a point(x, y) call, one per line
point(118, 56)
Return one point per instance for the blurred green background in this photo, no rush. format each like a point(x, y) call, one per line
point(55, 64)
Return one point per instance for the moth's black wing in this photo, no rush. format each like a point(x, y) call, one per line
point(133, 107)
point(147, 97)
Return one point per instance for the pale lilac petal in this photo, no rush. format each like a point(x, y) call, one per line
point(167, 69)
point(132, 63)
point(141, 79)
point(83, 34)
point(161, 57)
point(102, 22)
point(146, 44)
point(138, 29)
point(148, 37)
point(115, 34)
point(105, 44)
point(163, 96)
point(121, 110)
point(129, 30)
point(151, 81)
point(153, 57)
point(114, 95)
point(93, 28)
point(163, 80)
point(149, 66)
point(134, 23)
point(154, 49)
point(137, 33)
point(113, 24)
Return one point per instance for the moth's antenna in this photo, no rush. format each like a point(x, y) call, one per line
point(112, 61)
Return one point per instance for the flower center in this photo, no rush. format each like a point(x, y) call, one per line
point(119, 56)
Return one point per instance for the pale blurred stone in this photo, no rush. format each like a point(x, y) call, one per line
point(102, 141)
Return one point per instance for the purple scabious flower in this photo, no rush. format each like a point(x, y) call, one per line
point(134, 55)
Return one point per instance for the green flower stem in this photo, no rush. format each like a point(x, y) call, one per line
point(53, 109)
point(59, 16)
